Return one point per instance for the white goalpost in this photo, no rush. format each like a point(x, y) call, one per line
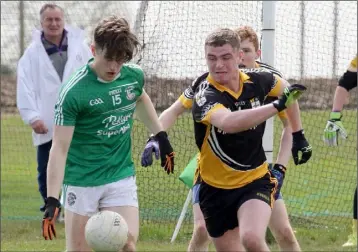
point(182, 216)
point(268, 57)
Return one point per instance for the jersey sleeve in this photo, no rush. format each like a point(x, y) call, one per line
point(276, 86)
point(205, 103)
point(272, 84)
point(186, 98)
point(67, 107)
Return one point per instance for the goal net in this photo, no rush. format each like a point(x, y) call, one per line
point(314, 43)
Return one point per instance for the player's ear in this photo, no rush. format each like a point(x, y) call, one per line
point(93, 49)
point(41, 23)
point(239, 56)
point(258, 54)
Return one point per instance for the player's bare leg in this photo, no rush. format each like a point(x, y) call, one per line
point(281, 228)
point(131, 215)
point(75, 232)
point(254, 216)
point(200, 238)
point(230, 241)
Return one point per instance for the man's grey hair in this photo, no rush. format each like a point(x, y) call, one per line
point(49, 6)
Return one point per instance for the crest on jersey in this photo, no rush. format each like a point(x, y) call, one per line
point(200, 95)
point(200, 100)
point(255, 102)
point(129, 93)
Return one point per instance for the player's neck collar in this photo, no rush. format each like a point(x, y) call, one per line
point(242, 78)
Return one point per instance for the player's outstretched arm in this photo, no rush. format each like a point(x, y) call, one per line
point(170, 115)
point(167, 119)
point(61, 141)
point(147, 114)
point(237, 121)
point(184, 102)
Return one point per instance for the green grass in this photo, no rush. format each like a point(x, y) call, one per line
point(26, 236)
point(318, 194)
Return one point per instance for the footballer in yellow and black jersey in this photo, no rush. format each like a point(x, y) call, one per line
point(226, 160)
point(186, 98)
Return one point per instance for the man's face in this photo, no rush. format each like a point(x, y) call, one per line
point(250, 55)
point(105, 69)
point(222, 62)
point(52, 22)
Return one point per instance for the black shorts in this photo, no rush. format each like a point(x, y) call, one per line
point(220, 206)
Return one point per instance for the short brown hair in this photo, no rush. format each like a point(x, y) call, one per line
point(221, 37)
point(113, 35)
point(246, 32)
point(49, 6)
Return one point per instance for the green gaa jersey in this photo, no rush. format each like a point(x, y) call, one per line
point(102, 114)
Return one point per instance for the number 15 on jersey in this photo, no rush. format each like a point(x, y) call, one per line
point(116, 99)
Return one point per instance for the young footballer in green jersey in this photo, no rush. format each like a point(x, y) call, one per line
point(91, 151)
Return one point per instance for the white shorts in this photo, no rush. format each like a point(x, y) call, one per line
point(87, 201)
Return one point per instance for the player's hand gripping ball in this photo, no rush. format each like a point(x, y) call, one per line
point(106, 231)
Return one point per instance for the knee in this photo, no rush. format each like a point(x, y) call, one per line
point(130, 245)
point(285, 235)
point(200, 231)
point(251, 240)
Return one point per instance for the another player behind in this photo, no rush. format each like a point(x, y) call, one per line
point(228, 111)
point(279, 223)
point(200, 239)
point(335, 129)
point(91, 152)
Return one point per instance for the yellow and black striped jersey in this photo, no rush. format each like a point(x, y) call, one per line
point(186, 98)
point(232, 160)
